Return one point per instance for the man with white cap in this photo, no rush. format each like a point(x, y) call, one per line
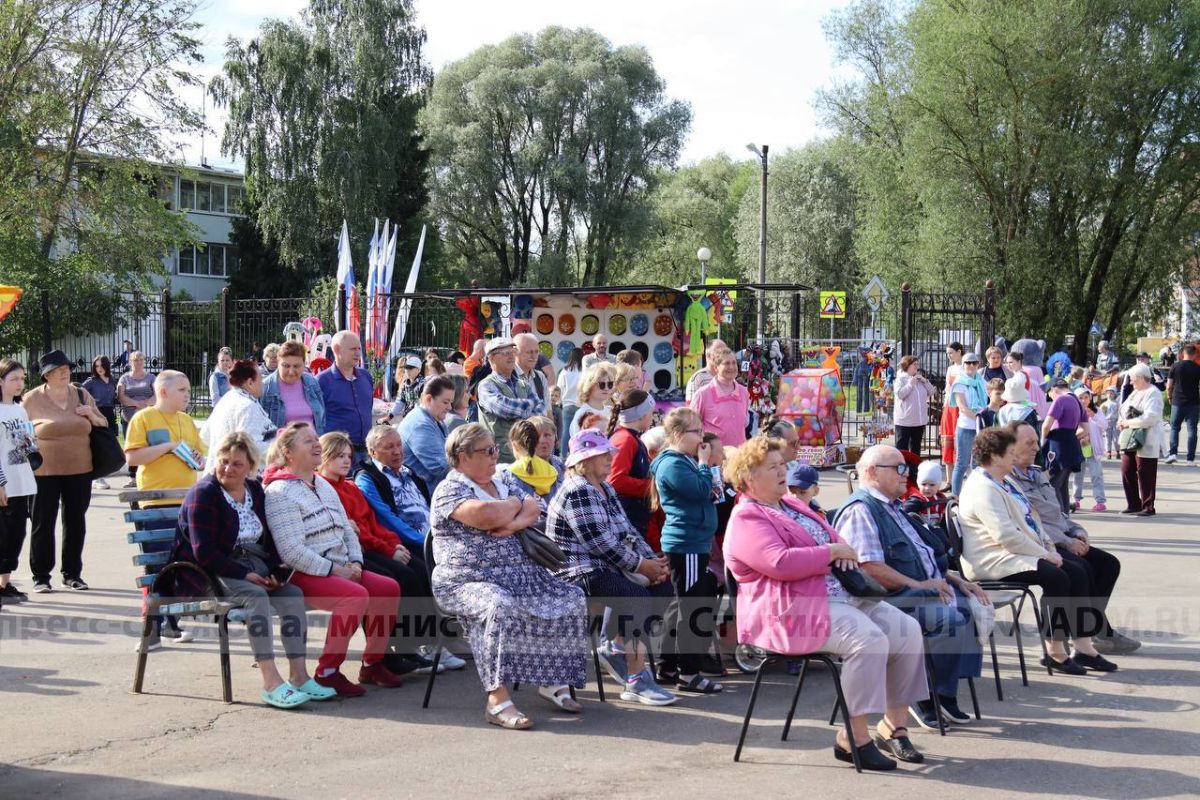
point(504, 397)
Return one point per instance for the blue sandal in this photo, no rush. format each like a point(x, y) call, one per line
point(284, 696)
point(316, 691)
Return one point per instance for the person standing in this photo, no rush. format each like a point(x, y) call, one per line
point(17, 484)
point(1059, 432)
point(102, 386)
point(724, 404)
point(527, 366)
point(503, 397)
point(568, 384)
point(135, 391)
point(911, 412)
point(1139, 468)
point(1106, 359)
point(63, 417)
point(599, 352)
point(349, 392)
point(121, 362)
point(291, 394)
point(239, 410)
point(423, 432)
point(948, 427)
point(703, 376)
point(1183, 387)
point(218, 381)
point(970, 398)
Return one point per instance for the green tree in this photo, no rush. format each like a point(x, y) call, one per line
point(324, 113)
point(811, 219)
point(545, 149)
point(1051, 147)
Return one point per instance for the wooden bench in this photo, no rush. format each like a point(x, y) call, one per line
point(154, 534)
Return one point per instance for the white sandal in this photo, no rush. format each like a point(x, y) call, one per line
point(561, 697)
point(518, 722)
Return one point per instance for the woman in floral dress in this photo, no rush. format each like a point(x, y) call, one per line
point(524, 625)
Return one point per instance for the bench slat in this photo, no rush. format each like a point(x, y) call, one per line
point(160, 559)
point(147, 495)
point(151, 536)
point(151, 516)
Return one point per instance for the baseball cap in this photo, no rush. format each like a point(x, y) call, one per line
point(971, 358)
point(1060, 384)
point(412, 362)
point(801, 475)
point(499, 343)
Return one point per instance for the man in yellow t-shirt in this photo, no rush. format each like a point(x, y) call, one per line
point(155, 434)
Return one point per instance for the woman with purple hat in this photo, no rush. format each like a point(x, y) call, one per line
point(612, 562)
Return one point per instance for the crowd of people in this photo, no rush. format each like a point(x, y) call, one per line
point(525, 502)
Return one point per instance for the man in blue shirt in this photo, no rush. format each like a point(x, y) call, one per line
point(423, 431)
point(349, 393)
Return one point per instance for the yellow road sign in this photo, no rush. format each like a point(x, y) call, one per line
point(833, 305)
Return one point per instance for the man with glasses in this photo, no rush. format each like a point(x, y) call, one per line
point(504, 397)
point(910, 561)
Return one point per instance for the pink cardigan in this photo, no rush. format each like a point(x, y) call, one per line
point(723, 414)
point(782, 603)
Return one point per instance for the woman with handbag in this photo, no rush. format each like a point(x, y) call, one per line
point(1140, 440)
point(609, 559)
point(63, 416)
point(784, 557)
point(524, 625)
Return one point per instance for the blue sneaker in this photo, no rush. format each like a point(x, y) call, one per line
point(644, 690)
point(613, 662)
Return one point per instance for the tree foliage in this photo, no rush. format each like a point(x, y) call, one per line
point(1050, 145)
point(324, 113)
point(545, 148)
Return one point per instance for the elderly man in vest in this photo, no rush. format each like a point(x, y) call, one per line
point(910, 560)
point(503, 397)
point(1069, 537)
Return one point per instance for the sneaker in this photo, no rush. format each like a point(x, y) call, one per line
point(1117, 644)
point(75, 583)
point(613, 662)
point(425, 665)
point(100, 483)
point(923, 713)
point(951, 710)
point(178, 635)
point(400, 665)
point(1171, 459)
point(447, 661)
point(42, 587)
point(11, 595)
point(1191, 463)
point(131, 485)
point(152, 644)
point(1099, 507)
point(340, 684)
point(642, 689)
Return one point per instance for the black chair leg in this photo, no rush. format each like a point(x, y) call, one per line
point(1037, 615)
point(437, 660)
point(139, 671)
point(1020, 644)
point(974, 697)
point(596, 664)
point(787, 725)
point(931, 676)
point(758, 676)
point(841, 704)
point(995, 666)
point(226, 671)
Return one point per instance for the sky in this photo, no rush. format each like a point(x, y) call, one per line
point(751, 75)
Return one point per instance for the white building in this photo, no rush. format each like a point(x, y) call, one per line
point(210, 197)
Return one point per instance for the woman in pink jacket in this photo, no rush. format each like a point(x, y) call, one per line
point(790, 603)
point(724, 404)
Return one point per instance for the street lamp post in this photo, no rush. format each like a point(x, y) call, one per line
point(704, 255)
point(762, 234)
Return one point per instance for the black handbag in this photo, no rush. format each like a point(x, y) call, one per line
point(107, 455)
point(859, 583)
point(541, 549)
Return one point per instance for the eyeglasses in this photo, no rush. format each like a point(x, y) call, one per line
point(901, 469)
point(490, 450)
point(605, 384)
point(697, 431)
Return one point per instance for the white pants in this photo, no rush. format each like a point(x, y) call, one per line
point(883, 655)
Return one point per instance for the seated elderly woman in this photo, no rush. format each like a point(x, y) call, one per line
point(610, 560)
point(384, 554)
point(1002, 539)
point(222, 529)
point(532, 474)
point(789, 602)
point(239, 409)
point(399, 498)
point(524, 625)
point(315, 539)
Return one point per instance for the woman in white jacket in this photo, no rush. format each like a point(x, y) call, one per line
point(239, 410)
point(1139, 471)
point(1002, 539)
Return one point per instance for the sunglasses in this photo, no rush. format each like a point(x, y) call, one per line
point(605, 384)
point(490, 450)
point(901, 469)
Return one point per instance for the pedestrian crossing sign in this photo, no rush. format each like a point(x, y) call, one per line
point(833, 305)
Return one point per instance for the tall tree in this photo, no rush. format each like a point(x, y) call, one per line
point(545, 148)
point(1052, 148)
point(324, 113)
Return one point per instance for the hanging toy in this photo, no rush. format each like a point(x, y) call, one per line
point(312, 326)
point(293, 332)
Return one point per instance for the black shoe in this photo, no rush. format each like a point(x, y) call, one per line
point(923, 712)
point(868, 754)
point(42, 587)
point(951, 710)
point(12, 595)
point(666, 677)
point(899, 746)
point(400, 665)
point(1096, 663)
point(1131, 511)
point(1147, 512)
point(1068, 667)
point(75, 583)
point(712, 667)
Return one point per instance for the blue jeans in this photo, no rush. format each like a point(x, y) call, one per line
point(1095, 470)
point(1190, 414)
point(950, 639)
point(964, 441)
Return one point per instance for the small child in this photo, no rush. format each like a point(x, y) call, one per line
point(995, 393)
point(929, 501)
point(1109, 410)
point(1092, 433)
point(803, 484)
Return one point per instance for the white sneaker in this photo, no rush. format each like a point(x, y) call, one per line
point(1170, 459)
point(1191, 463)
point(178, 635)
point(100, 483)
point(451, 661)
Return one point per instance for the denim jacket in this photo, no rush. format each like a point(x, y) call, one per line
point(272, 402)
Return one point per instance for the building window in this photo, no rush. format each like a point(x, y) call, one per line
point(203, 196)
point(216, 260)
point(236, 195)
point(187, 261)
point(187, 195)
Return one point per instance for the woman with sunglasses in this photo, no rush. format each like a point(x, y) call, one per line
point(594, 391)
point(524, 625)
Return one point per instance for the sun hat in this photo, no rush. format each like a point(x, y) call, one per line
point(1014, 389)
point(52, 361)
point(588, 444)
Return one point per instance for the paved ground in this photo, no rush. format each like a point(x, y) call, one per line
point(73, 730)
